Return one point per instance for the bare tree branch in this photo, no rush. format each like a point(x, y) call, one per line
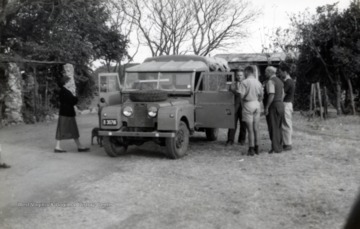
point(171, 27)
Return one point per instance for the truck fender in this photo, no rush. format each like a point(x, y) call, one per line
point(111, 113)
point(170, 117)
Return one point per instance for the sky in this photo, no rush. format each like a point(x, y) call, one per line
point(275, 13)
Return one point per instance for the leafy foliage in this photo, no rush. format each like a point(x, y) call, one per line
point(63, 30)
point(43, 32)
point(328, 44)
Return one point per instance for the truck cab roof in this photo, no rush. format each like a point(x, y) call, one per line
point(170, 66)
point(181, 63)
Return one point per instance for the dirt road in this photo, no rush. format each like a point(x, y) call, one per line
point(312, 186)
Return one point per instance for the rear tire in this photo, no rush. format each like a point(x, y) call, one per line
point(177, 146)
point(212, 134)
point(113, 147)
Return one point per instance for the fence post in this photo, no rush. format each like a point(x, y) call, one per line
point(326, 101)
point(320, 100)
point(311, 99)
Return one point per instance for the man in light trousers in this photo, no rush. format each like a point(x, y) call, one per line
point(289, 90)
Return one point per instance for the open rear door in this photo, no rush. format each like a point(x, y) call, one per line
point(214, 101)
point(109, 89)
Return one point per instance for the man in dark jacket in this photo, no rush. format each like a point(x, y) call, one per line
point(239, 76)
point(274, 108)
point(289, 90)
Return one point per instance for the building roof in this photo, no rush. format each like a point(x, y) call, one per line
point(253, 58)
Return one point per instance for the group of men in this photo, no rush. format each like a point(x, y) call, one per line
point(277, 96)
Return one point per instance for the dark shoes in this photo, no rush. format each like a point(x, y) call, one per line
point(229, 143)
point(4, 166)
point(251, 151)
point(83, 150)
point(242, 142)
point(64, 151)
point(287, 147)
point(273, 151)
point(59, 151)
point(256, 148)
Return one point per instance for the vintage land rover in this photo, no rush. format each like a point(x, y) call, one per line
point(165, 100)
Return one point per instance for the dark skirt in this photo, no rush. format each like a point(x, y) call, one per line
point(67, 128)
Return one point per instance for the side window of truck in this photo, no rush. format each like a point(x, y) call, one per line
point(109, 83)
point(198, 83)
point(216, 82)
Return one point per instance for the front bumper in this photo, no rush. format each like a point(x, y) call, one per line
point(153, 134)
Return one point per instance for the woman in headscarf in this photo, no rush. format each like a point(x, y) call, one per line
point(67, 127)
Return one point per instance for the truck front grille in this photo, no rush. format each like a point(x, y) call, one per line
point(140, 117)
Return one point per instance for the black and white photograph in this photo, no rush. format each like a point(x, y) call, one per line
point(180, 114)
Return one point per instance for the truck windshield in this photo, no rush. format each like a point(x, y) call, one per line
point(168, 81)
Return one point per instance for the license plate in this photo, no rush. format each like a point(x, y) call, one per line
point(109, 122)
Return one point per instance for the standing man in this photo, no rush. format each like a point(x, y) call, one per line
point(251, 94)
point(289, 90)
point(274, 108)
point(239, 76)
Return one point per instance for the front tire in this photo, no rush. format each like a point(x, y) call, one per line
point(212, 134)
point(177, 146)
point(113, 147)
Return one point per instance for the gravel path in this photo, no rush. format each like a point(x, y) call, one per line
point(214, 186)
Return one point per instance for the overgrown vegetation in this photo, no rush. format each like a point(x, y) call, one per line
point(328, 44)
point(44, 34)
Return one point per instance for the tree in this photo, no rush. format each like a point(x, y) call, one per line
point(163, 25)
point(121, 22)
point(219, 23)
point(189, 26)
point(328, 48)
point(61, 31)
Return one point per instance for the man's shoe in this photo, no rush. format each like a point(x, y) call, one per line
point(256, 148)
point(83, 149)
point(241, 142)
point(287, 147)
point(271, 151)
point(59, 151)
point(229, 143)
point(251, 151)
point(4, 166)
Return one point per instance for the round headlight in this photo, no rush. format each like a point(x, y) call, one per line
point(127, 111)
point(152, 112)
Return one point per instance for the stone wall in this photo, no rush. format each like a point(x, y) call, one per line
point(29, 98)
point(13, 95)
point(3, 83)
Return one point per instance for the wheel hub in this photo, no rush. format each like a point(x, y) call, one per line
point(179, 139)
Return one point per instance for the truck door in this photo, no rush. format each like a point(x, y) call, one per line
point(109, 89)
point(214, 103)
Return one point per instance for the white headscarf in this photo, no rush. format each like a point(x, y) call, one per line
point(70, 85)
